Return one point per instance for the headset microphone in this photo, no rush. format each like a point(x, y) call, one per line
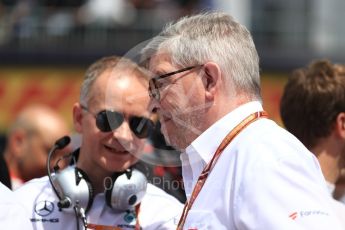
point(62, 142)
point(71, 192)
point(59, 144)
point(75, 193)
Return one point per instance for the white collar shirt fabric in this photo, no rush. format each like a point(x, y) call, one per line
point(265, 179)
point(338, 206)
point(12, 213)
point(330, 187)
point(158, 209)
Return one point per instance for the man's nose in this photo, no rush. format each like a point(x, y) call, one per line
point(123, 132)
point(153, 105)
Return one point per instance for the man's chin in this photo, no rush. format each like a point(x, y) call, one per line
point(175, 141)
point(173, 136)
point(118, 163)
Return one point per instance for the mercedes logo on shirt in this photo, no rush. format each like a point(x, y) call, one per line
point(44, 208)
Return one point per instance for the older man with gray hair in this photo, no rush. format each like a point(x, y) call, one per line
point(241, 170)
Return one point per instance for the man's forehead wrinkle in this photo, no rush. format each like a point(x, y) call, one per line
point(96, 97)
point(138, 97)
point(163, 58)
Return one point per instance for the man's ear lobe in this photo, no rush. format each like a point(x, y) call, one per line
point(212, 78)
point(77, 117)
point(16, 142)
point(340, 124)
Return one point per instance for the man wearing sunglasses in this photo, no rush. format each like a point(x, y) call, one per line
point(113, 120)
point(240, 169)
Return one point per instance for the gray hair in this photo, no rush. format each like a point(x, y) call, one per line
point(106, 63)
point(213, 36)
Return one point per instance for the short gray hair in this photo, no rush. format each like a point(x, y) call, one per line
point(106, 63)
point(213, 36)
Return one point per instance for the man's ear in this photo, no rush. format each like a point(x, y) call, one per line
point(16, 142)
point(77, 117)
point(212, 79)
point(340, 125)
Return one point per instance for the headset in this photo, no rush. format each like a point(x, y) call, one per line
point(123, 190)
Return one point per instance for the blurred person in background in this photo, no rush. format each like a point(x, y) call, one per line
point(29, 139)
point(103, 189)
point(313, 109)
point(107, 13)
point(240, 169)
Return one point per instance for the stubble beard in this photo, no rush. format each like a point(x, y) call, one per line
point(187, 127)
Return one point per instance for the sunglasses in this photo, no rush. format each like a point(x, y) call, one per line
point(107, 120)
point(154, 86)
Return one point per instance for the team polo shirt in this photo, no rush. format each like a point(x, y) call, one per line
point(338, 206)
point(265, 179)
point(12, 213)
point(158, 209)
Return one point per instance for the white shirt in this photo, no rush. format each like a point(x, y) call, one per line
point(158, 210)
point(16, 183)
point(12, 213)
point(338, 207)
point(265, 179)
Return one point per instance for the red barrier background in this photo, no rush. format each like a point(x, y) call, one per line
point(59, 88)
point(55, 87)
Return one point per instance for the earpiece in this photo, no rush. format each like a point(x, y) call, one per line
point(127, 189)
point(73, 187)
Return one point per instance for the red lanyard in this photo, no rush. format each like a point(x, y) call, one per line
point(205, 172)
point(107, 227)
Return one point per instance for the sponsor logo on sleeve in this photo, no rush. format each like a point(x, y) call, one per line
point(308, 213)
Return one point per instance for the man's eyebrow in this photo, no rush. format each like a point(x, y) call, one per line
point(159, 72)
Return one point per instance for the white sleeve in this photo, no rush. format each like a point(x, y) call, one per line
point(12, 214)
point(283, 192)
point(159, 210)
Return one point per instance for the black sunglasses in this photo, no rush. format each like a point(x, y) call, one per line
point(153, 86)
point(107, 120)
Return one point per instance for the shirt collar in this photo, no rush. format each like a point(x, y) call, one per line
point(330, 187)
point(206, 148)
point(201, 150)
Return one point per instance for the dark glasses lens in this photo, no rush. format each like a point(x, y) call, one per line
point(140, 126)
point(107, 121)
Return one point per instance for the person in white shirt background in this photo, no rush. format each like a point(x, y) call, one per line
point(313, 109)
point(102, 190)
point(240, 169)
